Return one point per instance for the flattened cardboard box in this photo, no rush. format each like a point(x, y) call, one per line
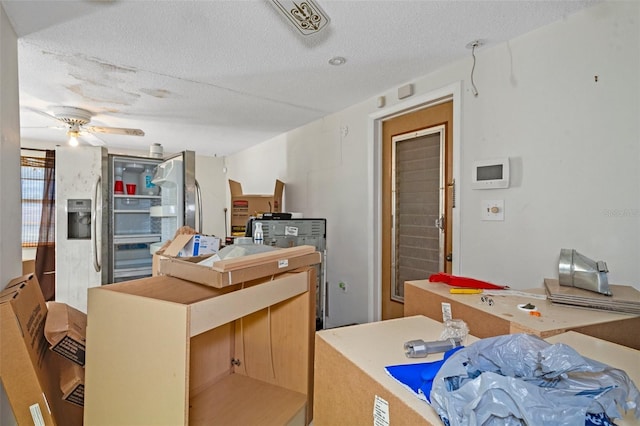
point(243, 206)
point(249, 267)
point(29, 371)
point(65, 330)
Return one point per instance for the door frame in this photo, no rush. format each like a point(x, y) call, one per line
point(452, 92)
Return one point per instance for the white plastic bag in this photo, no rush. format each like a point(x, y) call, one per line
point(521, 379)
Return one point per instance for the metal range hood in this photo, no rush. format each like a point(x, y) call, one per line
point(577, 270)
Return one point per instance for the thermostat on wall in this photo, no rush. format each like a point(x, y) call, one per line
point(490, 174)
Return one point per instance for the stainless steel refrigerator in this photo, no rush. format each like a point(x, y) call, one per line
point(111, 210)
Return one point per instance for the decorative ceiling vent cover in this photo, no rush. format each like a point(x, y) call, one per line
point(305, 15)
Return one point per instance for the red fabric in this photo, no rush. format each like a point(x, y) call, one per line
point(455, 281)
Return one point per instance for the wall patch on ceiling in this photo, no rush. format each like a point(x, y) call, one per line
point(305, 15)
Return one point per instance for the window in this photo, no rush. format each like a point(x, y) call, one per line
point(34, 174)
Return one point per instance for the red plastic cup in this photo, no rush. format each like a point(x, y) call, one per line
point(118, 188)
point(131, 189)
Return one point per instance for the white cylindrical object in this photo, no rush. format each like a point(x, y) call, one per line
point(156, 150)
point(258, 236)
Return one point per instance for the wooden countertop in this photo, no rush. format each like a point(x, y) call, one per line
point(503, 315)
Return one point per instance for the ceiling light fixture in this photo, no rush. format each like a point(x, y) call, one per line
point(305, 15)
point(73, 133)
point(337, 60)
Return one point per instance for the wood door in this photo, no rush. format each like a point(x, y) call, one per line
point(419, 121)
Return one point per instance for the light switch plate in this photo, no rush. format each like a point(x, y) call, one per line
point(492, 210)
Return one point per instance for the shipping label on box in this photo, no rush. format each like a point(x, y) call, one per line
point(65, 330)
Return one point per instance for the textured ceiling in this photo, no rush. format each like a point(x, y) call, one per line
point(220, 76)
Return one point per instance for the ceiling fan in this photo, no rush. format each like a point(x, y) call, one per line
point(75, 122)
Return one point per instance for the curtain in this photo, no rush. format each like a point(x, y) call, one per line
point(46, 250)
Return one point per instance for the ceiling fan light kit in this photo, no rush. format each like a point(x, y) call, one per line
point(76, 119)
point(306, 16)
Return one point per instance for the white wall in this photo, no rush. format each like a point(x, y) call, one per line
point(10, 254)
point(574, 145)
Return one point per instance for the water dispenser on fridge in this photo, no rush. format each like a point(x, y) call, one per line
point(79, 219)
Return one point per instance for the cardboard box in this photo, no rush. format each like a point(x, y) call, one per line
point(29, 371)
point(65, 330)
point(240, 269)
point(72, 382)
point(243, 206)
point(192, 245)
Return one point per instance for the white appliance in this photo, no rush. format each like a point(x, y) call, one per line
point(105, 227)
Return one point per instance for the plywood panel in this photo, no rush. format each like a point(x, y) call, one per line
point(120, 331)
point(237, 400)
point(210, 360)
point(211, 313)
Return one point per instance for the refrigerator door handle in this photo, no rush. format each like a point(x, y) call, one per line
point(97, 196)
point(199, 201)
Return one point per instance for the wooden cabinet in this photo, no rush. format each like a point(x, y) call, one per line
point(502, 315)
point(350, 378)
point(165, 351)
point(353, 388)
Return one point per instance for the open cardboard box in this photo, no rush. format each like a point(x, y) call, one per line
point(224, 273)
point(192, 245)
point(243, 206)
point(183, 245)
point(30, 373)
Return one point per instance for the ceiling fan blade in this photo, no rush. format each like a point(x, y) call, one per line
point(44, 114)
point(114, 130)
point(44, 127)
point(92, 139)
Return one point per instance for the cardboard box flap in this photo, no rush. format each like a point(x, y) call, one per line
point(65, 330)
point(16, 282)
point(235, 187)
point(192, 245)
point(279, 189)
point(72, 382)
point(64, 320)
point(177, 244)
